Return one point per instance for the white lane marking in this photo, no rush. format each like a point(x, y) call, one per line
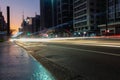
point(106, 45)
point(94, 44)
point(100, 52)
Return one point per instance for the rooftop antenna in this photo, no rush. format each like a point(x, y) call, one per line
point(0, 9)
point(35, 13)
point(23, 16)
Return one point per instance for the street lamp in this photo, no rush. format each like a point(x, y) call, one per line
point(84, 34)
point(52, 2)
point(106, 14)
point(27, 20)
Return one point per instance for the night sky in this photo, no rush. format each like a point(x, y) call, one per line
point(18, 7)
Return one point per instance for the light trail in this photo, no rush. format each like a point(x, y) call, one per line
point(70, 40)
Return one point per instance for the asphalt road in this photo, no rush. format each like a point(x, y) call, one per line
point(16, 64)
point(92, 62)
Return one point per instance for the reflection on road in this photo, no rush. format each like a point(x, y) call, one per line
point(16, 64)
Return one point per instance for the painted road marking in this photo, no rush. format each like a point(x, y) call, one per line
point(106, 53)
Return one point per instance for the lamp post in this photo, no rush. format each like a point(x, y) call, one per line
point(106, 24)
point(52, 2)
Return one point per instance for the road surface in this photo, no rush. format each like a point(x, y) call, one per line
point(92, 62)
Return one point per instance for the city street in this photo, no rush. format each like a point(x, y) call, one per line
point(95, 63)
point(59, 39)
point(16, 64)
point(88, 59)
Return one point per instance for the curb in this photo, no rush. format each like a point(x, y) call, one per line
point(58, 71)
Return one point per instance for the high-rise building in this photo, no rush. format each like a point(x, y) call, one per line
point(2, 23)
point(30, 25)
point(64, 17)
point(112, 25)
point(54, 13)
point(57, 14)
point(46, 13)
point(87, 15)
point(37, 23)
point(27, 25)
point(3, 27)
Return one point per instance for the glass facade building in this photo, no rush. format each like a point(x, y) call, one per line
point(64, 17)
point(80, 15)
point(46, 13)
point(113, 18)
point(86, 16)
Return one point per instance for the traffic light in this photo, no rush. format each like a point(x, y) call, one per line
point(28, 33)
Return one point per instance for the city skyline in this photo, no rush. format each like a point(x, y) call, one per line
point(17, 8)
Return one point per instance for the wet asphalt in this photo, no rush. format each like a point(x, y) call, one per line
point(92, 62)
point(16, 64)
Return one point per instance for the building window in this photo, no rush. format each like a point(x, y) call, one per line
point(78, 2)
point(80, 13)
point(81, 18)
point(80, 7)
point(81, 24)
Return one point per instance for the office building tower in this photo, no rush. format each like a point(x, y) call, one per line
point(64, 17)
point(2, 23)
point(112, 25)
point(87, 15)
point(46, 13)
